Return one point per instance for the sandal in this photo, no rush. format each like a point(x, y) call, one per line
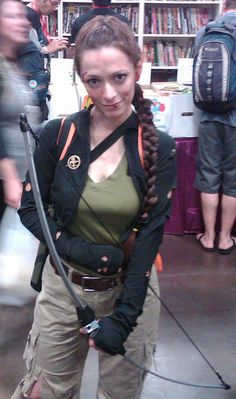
point(207, 249)
point(227, 250)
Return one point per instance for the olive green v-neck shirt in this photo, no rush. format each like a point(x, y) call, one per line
point(115, 203)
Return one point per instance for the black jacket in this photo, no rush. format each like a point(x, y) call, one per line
point(31, 61)
point(57, 188)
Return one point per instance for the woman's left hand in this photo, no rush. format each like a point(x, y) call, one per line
point(83, 331)
point(108, 337)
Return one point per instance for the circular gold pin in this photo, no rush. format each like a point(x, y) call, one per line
point(74, 162)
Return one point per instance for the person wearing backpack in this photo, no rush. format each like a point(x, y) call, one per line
point(216, 161)
point(100, 195)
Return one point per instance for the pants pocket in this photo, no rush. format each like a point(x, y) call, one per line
point(29, 354)
point(33, 371)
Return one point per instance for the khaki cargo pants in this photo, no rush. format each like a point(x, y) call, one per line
point(55, 352)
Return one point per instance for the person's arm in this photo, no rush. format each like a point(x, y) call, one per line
point(55, 45)
point(3, 153)
point(12, 185)
point(115, 329)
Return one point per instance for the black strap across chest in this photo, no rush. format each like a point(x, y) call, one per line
point(106, 143)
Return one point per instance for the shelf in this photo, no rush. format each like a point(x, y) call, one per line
point(90, 2)
point(186, 2)
point(164, 67)
point(167, 36)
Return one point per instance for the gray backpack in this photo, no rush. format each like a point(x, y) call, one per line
point(214, 66)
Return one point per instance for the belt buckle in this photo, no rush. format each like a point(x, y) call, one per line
point(84, 279)
point(113, 284)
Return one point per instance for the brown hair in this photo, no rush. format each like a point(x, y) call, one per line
point(109, 31)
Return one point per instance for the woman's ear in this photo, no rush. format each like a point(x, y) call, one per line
point(138, 70)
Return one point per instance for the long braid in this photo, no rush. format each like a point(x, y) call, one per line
point(150, 148)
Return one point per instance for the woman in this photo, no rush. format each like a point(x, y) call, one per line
point(15, 97)
point(96, 207)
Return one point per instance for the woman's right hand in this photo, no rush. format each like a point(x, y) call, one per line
point(103, 258)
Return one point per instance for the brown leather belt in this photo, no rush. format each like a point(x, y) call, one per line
point(89, 283)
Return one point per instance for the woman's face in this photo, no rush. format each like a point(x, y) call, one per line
point(14, 26)
point(109, 77)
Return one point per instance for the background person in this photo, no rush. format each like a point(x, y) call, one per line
point(35, 56)
point(216, 168)
point(15, 97)
point(35, 12)
point(96, 207)
point(99, 7)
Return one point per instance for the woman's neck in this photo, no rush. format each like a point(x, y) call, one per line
point(108, 125)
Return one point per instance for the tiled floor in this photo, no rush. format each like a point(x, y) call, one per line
point(200, 290)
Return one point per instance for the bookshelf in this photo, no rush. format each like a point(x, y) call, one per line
point(69, 10)
point(169, 29)
point(165, 29)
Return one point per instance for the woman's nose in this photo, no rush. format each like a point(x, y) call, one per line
point(109, 91)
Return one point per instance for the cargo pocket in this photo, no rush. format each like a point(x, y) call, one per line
point(33, 371)
point(148, 360)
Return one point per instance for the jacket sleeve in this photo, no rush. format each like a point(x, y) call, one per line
point(115, 329)
point(45, 166)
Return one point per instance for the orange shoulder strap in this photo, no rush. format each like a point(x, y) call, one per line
point(69, 136)
point(86, 102)
point(140, 145)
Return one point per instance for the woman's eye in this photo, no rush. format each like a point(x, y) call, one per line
point(120, 77)
point(93, 82)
